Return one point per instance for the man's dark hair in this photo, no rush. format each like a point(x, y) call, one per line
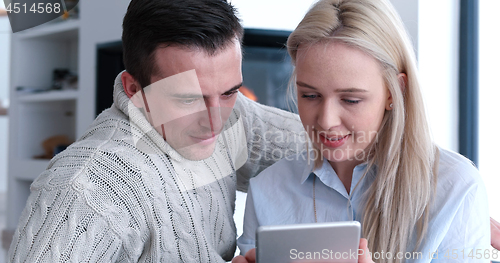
point(206, 24)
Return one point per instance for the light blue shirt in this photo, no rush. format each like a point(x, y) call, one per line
point(459, 225)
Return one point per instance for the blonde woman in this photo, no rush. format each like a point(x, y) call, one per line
point(372, 160)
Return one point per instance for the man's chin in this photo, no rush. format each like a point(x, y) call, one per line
point(197, 152)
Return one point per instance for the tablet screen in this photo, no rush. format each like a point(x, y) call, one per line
point(319, 242)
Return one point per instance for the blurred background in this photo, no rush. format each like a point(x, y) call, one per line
point(55, 78)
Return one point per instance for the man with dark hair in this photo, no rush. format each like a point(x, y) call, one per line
point(206, 25)
point(154, 178)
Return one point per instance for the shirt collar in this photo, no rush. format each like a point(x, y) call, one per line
point(308, 166)
point(329, 177)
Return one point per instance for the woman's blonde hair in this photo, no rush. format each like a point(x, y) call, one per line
point(405, 158)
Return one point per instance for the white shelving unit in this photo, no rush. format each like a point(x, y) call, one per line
point(34, 117)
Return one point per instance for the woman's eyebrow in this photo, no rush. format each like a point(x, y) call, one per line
point(350, 90)
point(347, 90)
point(302, 84)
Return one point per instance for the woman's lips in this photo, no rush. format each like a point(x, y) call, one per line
point(333, 142)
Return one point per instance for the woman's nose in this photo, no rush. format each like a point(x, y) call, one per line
point(328, 115)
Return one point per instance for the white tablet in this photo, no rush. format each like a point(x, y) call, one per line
point(319, 242)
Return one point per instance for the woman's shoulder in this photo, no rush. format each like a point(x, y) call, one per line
point(459, 207)
point(456, 172)
point(289, 169)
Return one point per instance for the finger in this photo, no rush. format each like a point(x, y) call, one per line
point(364, 252)
point(495, 233)
point(239, 259)
point(250, 255)
point(494, 223)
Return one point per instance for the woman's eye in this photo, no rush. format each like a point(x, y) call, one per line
point(352, 101)
point(313, 96)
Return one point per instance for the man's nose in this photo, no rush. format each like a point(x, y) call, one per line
point(214, 120)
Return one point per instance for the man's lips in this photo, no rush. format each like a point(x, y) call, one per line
point(204, 137)
point(204, 140)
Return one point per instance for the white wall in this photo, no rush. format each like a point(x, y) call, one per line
point(489, 92)
point(438, 65)
point(286, 15)
point(104, 27)
point(409, 13)
point(272, 14)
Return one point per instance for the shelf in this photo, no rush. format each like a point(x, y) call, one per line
point(29, 170)
point(55, 95)
point(34, 60)
point(40, 120)
point(52, 30)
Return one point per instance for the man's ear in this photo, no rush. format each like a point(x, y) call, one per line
point(133, 89)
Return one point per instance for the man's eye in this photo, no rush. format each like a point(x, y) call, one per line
point(229, 94)
point(188, 101)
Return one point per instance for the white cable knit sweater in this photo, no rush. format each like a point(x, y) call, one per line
point(110, 198)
